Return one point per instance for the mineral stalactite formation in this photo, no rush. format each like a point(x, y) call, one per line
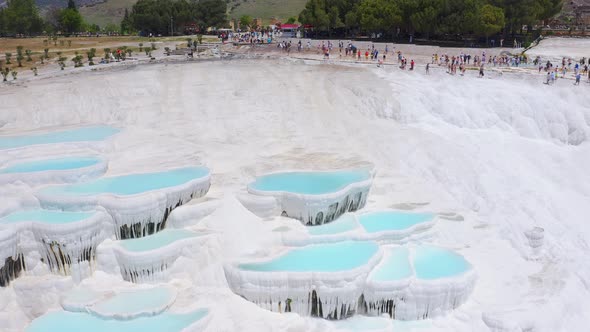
point(12, 269)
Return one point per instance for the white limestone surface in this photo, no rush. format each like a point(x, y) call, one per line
point(139, 204)
point(318, 200)
point(148, 259)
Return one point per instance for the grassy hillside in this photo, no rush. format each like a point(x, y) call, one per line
point(111, 11)
point(266, 9)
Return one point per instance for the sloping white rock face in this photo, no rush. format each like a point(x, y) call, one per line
point(12, 262)
point(138, 203)
point(315, 197)
point(318, 280)
point(56, 170)
point(148, 259)
point(418, 283)
point(64, 239)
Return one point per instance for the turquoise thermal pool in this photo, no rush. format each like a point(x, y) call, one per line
point(436, 263)
point(60, 164)
point(133, 303)
point(131, 184)
point(392, 220)
point(64, 321)
point(309, 183)
point(395, 266)
point(344, 224)
point(158, 240)
point(86, 134)
point(341, 256)
point(45, 216)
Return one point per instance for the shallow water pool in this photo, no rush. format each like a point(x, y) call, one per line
point(344, 224)
point(86, 134)
point(395, 266)
point(341, 256)
point(148, 301)
point(64, 321)
point(392, 220)
point(59, 164)
point(131, 184)
point(157, 240)
point(45, 216)
point(309, 183)
point(435, 263)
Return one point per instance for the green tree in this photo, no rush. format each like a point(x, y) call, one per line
point(426, 19)
point(315, 14)
point(91, 54)
point(21, 17)
point(72, 5)
point(70, 20)
point(210, 13)
point(4, 73)
point(291, 20)
point(126, 23)
point(19, 56)
point(379, 15)
point(491, 20)
point(245, 21)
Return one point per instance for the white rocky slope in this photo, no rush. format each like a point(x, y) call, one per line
point(493, 151)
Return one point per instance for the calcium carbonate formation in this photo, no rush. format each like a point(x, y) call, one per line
point(138, 309)
point(12, 262)
point(55, 170)
point(340, 279)
point(147, 259)
point(316, 198)
point(64, 239)
point(139, 204)
point(419, 283)
point(318, 280)
point(124, 305)
point(384, 226)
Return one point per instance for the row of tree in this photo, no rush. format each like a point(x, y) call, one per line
point(22, 17)
point(428, 17)
point(167, 17)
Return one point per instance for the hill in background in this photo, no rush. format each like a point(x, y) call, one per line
point(103, 12)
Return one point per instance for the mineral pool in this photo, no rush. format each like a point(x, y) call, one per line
point(344, 224)
point(87, 134)
point(157, 240)
point(59, 164)
point(395, 266)
point(392, 220)
point(436, 263)
point(138, 302)
point(64, 321)
point(309, 183)
point(334, 257)
point(45, 216)
point(131, 184)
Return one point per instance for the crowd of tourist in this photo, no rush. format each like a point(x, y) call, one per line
point(454, 64)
